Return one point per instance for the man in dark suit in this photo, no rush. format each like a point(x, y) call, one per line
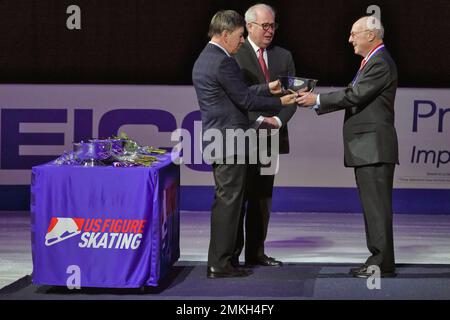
point(370, 138)
point(224, 101)
point(262, 62)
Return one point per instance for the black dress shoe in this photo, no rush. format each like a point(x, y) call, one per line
point(364, 272)
point(235, 262)
point(229, 272)
point(265, 262)
point(357, 269)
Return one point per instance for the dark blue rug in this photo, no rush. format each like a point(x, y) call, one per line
point(305, 281)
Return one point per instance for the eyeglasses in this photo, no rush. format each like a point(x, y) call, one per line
point(354, 33)
point(267, 26)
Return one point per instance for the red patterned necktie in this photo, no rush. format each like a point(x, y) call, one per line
point(262, 64)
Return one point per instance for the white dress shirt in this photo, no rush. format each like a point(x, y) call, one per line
point(256, 49)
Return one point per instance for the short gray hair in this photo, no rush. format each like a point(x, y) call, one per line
point(225, 20)
point(250, 14)
point(374, 24)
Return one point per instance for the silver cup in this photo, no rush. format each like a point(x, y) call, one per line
point(297, 83)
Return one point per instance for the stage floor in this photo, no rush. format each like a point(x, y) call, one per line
point(293, 281)
point(329, 243)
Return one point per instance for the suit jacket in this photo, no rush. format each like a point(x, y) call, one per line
point(280, 64)
point(223, 96)
point(369, 133)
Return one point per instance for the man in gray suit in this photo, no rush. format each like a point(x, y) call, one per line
point(224, 100)
point(262, 62)
point(370, 138)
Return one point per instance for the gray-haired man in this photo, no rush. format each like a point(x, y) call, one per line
point(370, 138)
point(224, 100)
point(262, 62)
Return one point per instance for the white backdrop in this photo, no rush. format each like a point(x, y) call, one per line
point(316, 158)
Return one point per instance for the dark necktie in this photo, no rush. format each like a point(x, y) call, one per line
point(363, 63)
point(262, 64)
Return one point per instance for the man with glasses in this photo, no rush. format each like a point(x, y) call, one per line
point(262, 62)
point(224, 99)
point(370, 138)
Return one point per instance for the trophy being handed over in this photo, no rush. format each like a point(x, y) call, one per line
point(296, 84)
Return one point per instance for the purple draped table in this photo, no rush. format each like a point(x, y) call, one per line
point(111, 227)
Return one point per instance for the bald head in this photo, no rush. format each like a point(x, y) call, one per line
point(366, 34)
point(372, 23)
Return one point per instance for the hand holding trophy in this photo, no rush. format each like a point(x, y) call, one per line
point(303, 87)
point(275, 87)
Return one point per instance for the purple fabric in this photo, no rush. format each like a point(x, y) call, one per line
point(119, 226)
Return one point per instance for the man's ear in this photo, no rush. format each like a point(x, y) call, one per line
point(225, 35)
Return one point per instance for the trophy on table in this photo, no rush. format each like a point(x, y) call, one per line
point(93, 153)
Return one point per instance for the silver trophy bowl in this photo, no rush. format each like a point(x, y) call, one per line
point(297, 83)
point(92, 153)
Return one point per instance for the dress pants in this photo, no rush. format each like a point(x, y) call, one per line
point(256, 214)
point(230, 182)
point(375, 183)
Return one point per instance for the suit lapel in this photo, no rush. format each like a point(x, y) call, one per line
point(368, 64)
point(271, 61)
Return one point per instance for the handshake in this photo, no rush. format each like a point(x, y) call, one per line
point(294, 90)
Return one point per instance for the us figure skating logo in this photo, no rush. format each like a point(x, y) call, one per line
point(61, 229)
point(97, 233)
